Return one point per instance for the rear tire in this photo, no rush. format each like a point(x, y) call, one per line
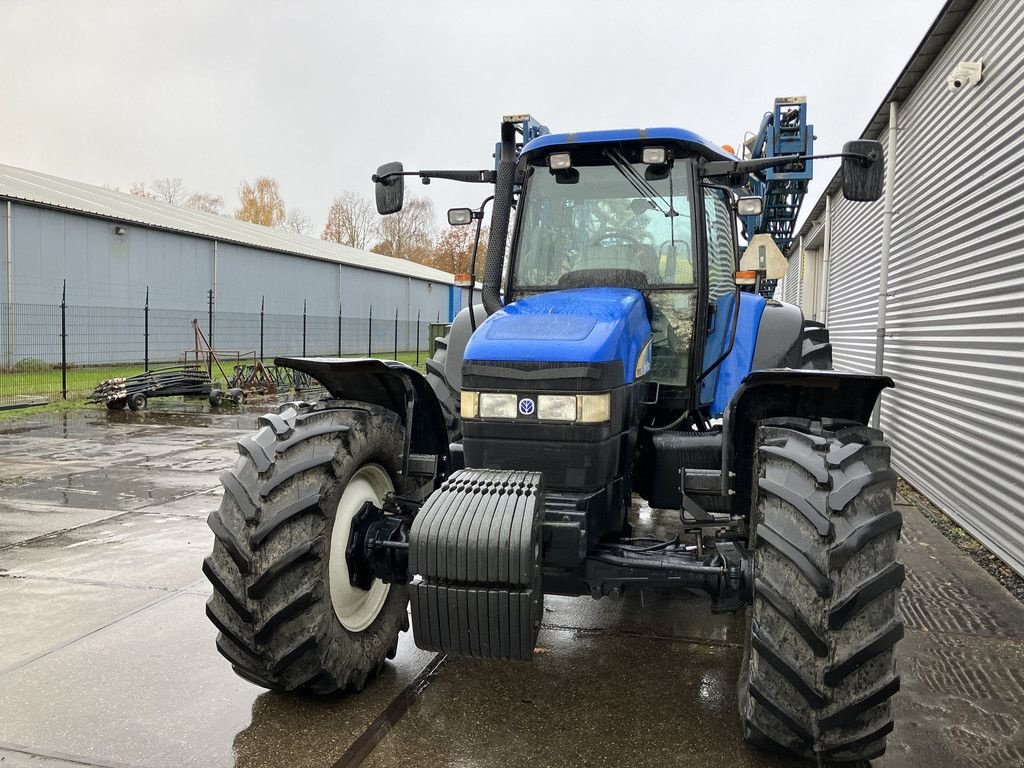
point(288, 617)
point(815, 347)
point(137, 402)
point(118, 404)
point(819, 665)
point(447, 395)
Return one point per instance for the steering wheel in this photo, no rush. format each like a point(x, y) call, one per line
point(617, 234)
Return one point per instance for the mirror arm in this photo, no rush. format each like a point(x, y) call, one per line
point(477, 177)
point(744, 167)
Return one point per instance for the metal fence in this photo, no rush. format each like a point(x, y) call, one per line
point(61, 351)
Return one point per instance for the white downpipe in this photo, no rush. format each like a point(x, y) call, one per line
point(883, 266)
point(215, 274)
point(826, 252)
point(10, 286)
point(800, 276)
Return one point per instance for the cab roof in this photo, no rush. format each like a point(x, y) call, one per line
point(697, 143)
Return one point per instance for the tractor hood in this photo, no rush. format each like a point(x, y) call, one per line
point(582, 325)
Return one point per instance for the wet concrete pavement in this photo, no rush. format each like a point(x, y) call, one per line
point(107, 659)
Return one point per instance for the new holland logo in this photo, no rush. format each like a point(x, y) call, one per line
point(526, 406)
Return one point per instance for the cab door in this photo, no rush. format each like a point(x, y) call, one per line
point(720, 234)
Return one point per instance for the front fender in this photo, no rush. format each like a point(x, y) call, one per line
point(389, 384)
point(804, 394)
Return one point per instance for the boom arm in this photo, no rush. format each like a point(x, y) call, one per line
point(784, 131)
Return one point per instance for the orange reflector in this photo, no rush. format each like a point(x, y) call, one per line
point(463, 280)
point(746, 275)
point(728, 148)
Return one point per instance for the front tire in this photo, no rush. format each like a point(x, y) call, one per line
point(289, 618)
point(819, 666)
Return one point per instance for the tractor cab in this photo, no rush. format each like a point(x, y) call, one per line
point(625, 209)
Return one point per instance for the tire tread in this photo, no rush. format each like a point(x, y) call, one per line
point(821, 668)
point(271, 603)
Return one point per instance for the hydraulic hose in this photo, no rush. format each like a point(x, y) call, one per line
point(472, 265)
point(495, 263)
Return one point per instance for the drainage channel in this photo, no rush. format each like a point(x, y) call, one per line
point(378, 730)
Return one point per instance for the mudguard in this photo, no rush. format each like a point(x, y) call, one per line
point(805, 394)
point(389, 384)
point(458, 338)
point(778, 337)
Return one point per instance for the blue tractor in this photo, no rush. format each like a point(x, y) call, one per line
point(623, 349)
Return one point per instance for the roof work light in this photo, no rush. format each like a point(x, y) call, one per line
point(559, 161)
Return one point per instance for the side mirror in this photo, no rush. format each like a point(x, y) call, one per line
point(863, 176)
point(390, 189)
point(458, 217)
point(749, 205)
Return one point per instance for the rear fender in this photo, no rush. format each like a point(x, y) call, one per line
point(389, 384)
point(804, 394)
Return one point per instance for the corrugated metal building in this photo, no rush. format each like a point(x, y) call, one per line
point(110, 246)
point(954, 326)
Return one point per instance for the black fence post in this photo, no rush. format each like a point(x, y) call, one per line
point(396, 333)
point(417, 338)
point(209, 341)
point(263, 301)
point(303, 327)
point(145, 332)
point(64, 341)
point(339, 329)
point(369, 335)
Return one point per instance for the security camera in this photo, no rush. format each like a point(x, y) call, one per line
point(967, 73)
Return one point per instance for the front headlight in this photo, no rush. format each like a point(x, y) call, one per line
point(469, 404)
point(579, 409)
point(556, 407)
point(593, 409)
point(495, 405)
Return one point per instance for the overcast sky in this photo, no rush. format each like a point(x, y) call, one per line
point(317, 94)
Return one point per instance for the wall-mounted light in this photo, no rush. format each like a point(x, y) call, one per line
point(119, 230)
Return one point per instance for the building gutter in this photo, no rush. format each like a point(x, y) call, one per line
point(883, 266)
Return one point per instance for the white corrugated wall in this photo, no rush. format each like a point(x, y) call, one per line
point(955, 343)
point(856, 239)
point(791, 282)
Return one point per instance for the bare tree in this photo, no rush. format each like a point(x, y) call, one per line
point(298, 222)
point(172, 190)
point(261, 202)
point(204, 202)
point(138, 188)
point(352, 221)
point(408, 234)
point(169, 190)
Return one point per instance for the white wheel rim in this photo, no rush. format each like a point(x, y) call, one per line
point(356, 608)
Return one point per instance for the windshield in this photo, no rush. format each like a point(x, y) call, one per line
point(617, 223)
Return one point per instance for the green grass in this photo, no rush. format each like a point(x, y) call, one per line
point(60, 406)
point(81, 381)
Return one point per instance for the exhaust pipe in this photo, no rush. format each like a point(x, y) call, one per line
point(500, 214)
